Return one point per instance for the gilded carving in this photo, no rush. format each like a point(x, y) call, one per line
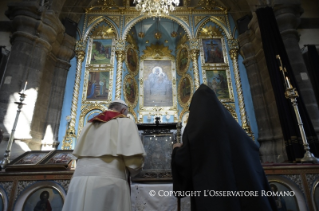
point(92, 19)
point(120, 58)
point(70, 134)
point(210, 5)
point(129, 19)
point(184, 18)
point(102, 6)
point(103, 32)
point(182, 41)
point(157, 51)
point(231, 108)
point(194, 56)
point(244, 120)
point(198, 19)
point(115, 19)
point(132, 41)
point(210, 31)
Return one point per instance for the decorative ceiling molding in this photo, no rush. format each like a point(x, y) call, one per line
point(129, 19)
point(184, 18)
point(92, 19)
point(198, 19)
point(115, 19)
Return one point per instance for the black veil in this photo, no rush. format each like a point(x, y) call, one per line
point(218, 155)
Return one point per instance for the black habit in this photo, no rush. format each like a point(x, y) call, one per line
point(218, 155)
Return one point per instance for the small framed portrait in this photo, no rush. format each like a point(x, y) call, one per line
point(44, 195)
point(131, 60)
point(63, 157)
point(218, 79)
point(185, 90)
point(98, 86)
point(101, 51)
point(213, 50)
point(130, 91)
point(30, 158)
point(182, 61)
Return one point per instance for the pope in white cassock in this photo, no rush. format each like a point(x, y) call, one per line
point(108, 148)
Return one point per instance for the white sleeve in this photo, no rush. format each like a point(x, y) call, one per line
point(134, 163)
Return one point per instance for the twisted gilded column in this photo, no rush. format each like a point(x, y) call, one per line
point(245, 125)
point(70, 133)
point(120, 58)
point(194, 56)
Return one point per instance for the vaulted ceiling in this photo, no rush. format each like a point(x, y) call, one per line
point(73, 9)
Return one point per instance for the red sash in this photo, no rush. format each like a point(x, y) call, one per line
point(107, 116)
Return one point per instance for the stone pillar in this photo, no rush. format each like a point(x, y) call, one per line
point(33, 33)
point(272, 146)
point(70, 134)
point(288, 19)
point(233, 44)
point(120, 58)
point(64, 54)
point(194, 56)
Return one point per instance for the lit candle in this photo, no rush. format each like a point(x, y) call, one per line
point(25, 86)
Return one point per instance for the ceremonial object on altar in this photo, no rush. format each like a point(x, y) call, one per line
point(292, 94)
point(6, 159)
point(31, 161)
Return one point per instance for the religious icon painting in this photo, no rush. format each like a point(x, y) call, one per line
point(217, 81)
point(60, 157)
point(101, 51)
point(131, 61)
point(130, 91)
point(182, 61)
point(284, 202)
point(98, 86)
point(185, 90)
point(213, 50)
point(46, 198)
point(158, 83)
point(30, 158)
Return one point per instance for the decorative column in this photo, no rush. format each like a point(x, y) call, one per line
point(70, 133)
point(194, 56)
point(233, 44)
point(120, 58)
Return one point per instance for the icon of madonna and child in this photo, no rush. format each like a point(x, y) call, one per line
point(158, 88)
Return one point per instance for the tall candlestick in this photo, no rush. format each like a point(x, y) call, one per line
point(25, 86)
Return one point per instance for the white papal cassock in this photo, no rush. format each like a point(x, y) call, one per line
point(106, 152)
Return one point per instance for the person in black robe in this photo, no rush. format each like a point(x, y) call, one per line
point(217, 155)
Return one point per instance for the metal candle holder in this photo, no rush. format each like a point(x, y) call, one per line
point(292, 94)
point(6, 159)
